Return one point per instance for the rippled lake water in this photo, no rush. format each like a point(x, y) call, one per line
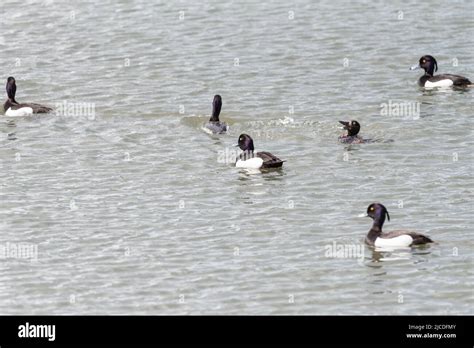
point(130, 208)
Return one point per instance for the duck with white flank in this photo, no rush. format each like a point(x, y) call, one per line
point(255, 160)
point(429, 64)
point(13, 108)
point(214, 126)
point(392, 239)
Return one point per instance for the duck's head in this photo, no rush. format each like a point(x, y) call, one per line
point(245, 142)
point(216, 107)
point(377, 212)
point(11, 88)
point(353, 127)
point(427, 63)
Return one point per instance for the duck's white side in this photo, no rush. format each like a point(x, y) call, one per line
point(441, 83)
point(207, 130)
point(25, 111)
point(251, 163)
point(401, 241)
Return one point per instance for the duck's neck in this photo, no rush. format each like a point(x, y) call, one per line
point(351, 133)
point(216, 110)
point(247, 154)
point(376, 229)
point(9, 103)
point(374, 233)
point(430, 71)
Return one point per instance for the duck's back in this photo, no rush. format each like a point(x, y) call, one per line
point(351, 139)
point(444, 80)
point(402, 236)
point(10, 107)
point(215, 127)
point(269, 160)
point(37, 108)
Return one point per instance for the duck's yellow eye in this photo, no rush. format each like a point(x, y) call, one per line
point(423, 61)
point(371, 208)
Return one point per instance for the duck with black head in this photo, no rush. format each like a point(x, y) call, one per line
point(429, 64)
point(392, 239)
point(352, 136)
point(214, 126)
point(12, 108)
point(255, 160)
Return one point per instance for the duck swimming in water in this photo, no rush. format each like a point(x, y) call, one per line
point(255, 160)
point(12, 108)
point(377, 238)
point(429, 64)
point(214, 126)
point(352, 137)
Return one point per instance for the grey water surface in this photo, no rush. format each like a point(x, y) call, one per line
point(128, 207)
